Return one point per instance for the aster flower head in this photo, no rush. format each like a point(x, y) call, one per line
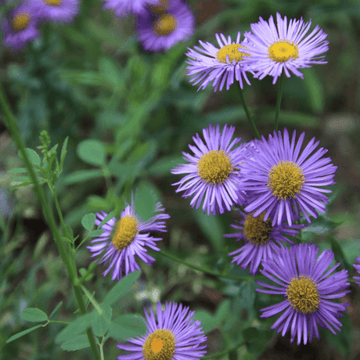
point(161, 30)
point(213, 170)
point(281, 180)
point(284, 47)
point(302, 279)
point(55, 10)
point(123, 8)
point(262, 240)
point(218, 65)
point(20, 27)
point(357, 268)
point(125, 238)
point(175, 335)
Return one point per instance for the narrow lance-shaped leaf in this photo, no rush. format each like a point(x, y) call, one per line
point(121, 288)
point(22, 333)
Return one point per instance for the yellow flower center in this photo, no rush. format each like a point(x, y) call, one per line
point(53, 2)
point(286, 179)
point(256, 230)
point(160, 7)
point(165, 25)
point(283, 50)
point(303, 295)
point(215, 166)
point(232, 51)
point(20, 21)
point(160, 345)
point(125, 233)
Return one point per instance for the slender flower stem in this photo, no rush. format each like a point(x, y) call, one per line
point(11, 123)
point(251, 121)
point(172, 257)
point(278, 102)
point(223, 352)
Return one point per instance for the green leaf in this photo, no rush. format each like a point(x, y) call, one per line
point(33, 315)
point(107, 218)
point(233, 355)
point(77, 343)
point(251, 334)
point(351, 249)
point(147, 195)
point(82, 175)
point(315, 90)
point(56, 309)
point(19, 171)
point(165, 165)
point(339, 254)
point(68, 231)
point(92, 152)
point(247, 295)
point(208, 321)
point(95, 232)
point(22, 333)
point(318, 226)
point(127, 326)
point(223, 310)
point(66, 239)
point(76, 327)
point(100, 323)
point(63, 152)
point(121, 288)
point(88, 221)
point(212, 228)
point(33, 156)
point(111, 71)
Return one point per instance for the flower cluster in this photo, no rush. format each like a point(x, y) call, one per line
point(20, 24)
point(160, 23)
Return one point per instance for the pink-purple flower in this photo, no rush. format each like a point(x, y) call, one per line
point(307, 286)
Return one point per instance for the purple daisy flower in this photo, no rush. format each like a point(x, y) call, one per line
point(213, 170)
point(124, 8)
point(357, 268)
point(307, 289)
point(281, 179)
point(55, 10)
point(218, 64)
point(284, 48)
point(174, 336)
point(159, 32)
point(124, 238)
point(261, 238)
point(20, 27)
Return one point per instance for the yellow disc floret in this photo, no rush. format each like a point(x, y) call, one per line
point(215, 166)
point(160, 345)
point(232, 51)
point(125, 233)
point(303, 295)
point(286, 180)
point(160, 7)
point(20, 21)
point(283, 50)
point(53, 2)
point(256, 230)
point(165, 24)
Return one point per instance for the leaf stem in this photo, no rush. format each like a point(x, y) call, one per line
point(278, 102)
point(207, 271)
point(251, 121)
point(11, 124)
point(223, 352)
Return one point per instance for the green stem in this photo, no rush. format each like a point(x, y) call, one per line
point(92, 300)
point(101, 345)
point(251, 121)
point(223, 352)
point(11, 123)
point(278, 102)
point(172, 257)
point(59, 322)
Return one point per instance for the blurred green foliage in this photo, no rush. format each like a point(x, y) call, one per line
point(128, 115)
